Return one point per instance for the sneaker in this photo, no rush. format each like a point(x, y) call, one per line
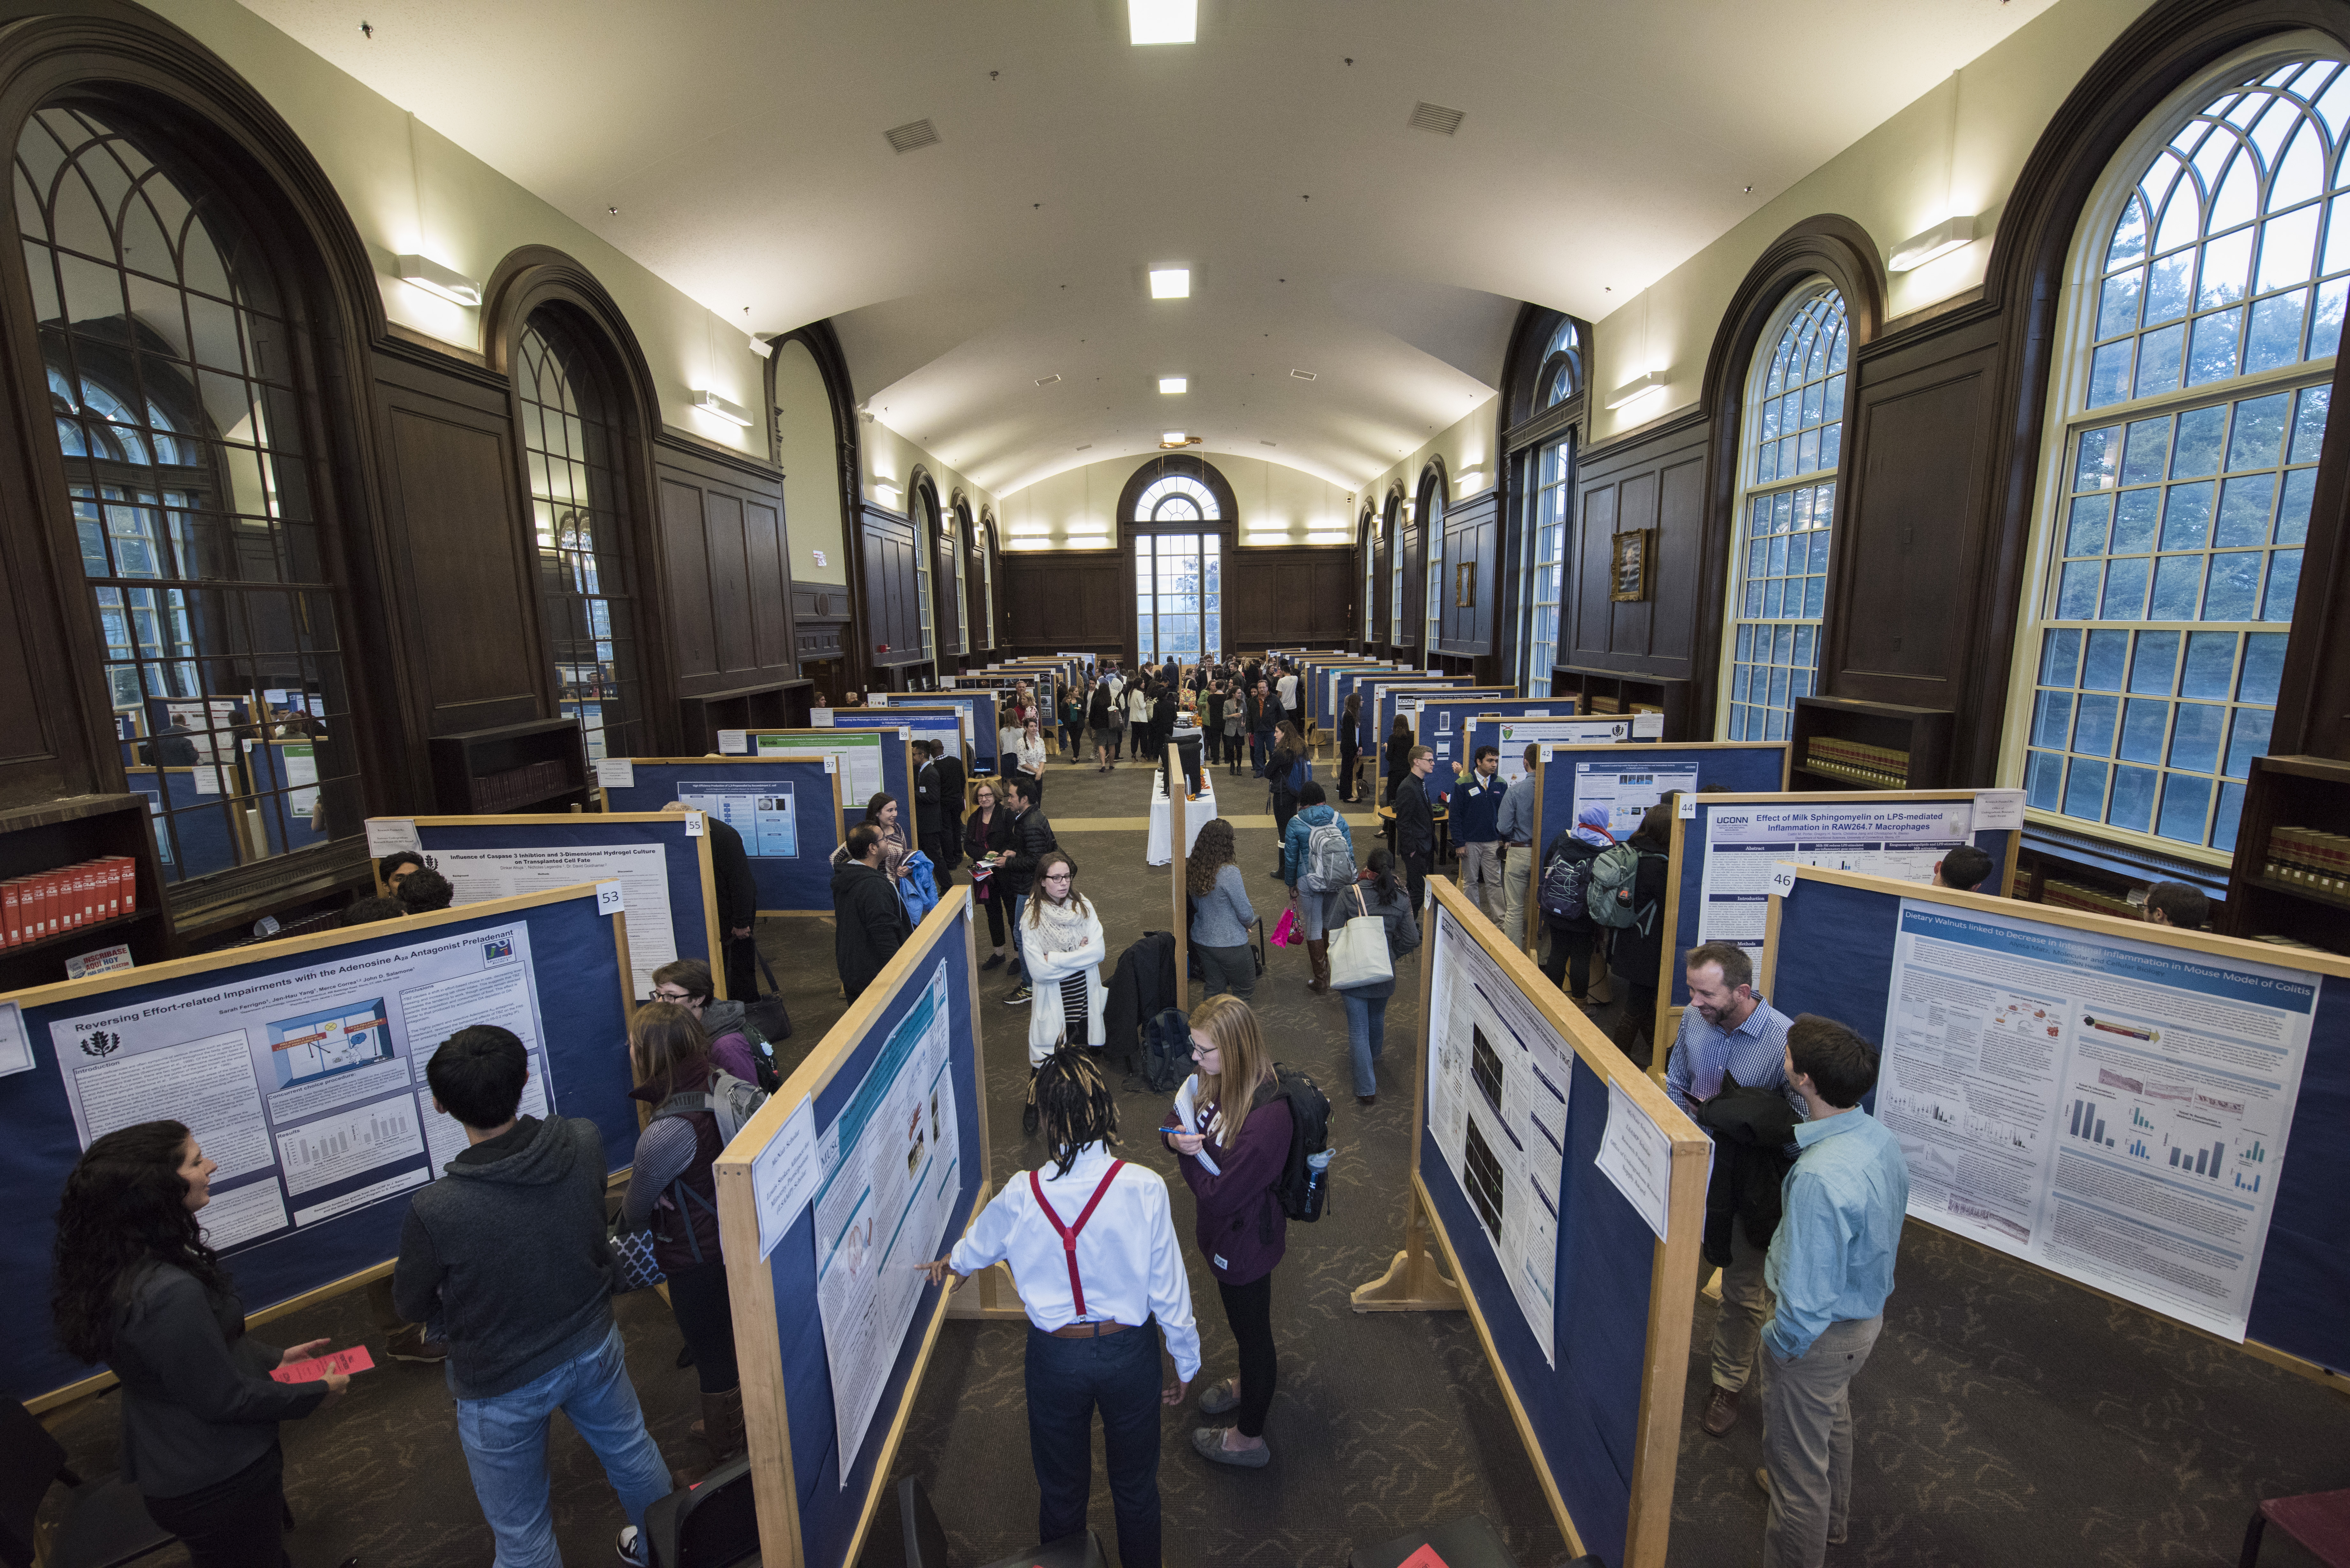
point(412, 1346)
point(1019, 996)
point(994, 960)
point(630, 1546)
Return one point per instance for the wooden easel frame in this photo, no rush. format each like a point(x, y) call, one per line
point(839, 829)
point(1414, 1282)
point(1179, 860)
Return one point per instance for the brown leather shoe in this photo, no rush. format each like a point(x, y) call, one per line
point(1318, 952)
point(1720, 1411)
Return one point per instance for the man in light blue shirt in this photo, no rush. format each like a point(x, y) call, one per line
point(1728, 1032)
point(1513, 830)
point(1830, 1268)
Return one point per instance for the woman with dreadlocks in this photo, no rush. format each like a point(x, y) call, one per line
point(1091, 1241)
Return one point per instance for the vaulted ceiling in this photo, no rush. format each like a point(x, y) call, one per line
point(1603, 142)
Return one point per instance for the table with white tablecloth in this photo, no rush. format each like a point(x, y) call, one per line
point(1195, 813)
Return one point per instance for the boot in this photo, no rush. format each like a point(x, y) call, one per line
point(722, 1423)
point(1318, 949)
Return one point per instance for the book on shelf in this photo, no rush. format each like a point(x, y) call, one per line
point(43, 904)
point(2306, 858)
point(2066, 895)
point(1857, 760)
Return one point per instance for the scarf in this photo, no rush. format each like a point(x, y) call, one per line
point(1591, 826)
point(1057, 928)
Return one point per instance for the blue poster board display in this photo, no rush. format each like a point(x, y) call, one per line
point(1741, 766)
point(787, 813)
point(203, 827)
point(980, 706)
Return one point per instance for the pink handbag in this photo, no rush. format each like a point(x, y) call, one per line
point(1286, 933)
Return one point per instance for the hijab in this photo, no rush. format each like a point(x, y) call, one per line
point(1591, 826)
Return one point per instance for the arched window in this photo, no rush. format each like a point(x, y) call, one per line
point(1174, 499)
point(571, 439)
point(987, 579)
point(1177, 587)
point(1789, 445)
point(956, 535)
point(1561, 376)
point(1431, 530)
point(180, 392)
point(1545, 565)
point(1395, 571)
point(2203, 307)
point(926, 535)
point(1370, 576)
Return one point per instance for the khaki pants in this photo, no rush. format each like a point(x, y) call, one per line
point(1807, 1442)
point(1745, 1308)
point(1517, 881)
point(1480, 868)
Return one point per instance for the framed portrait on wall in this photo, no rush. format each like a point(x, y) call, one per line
point(1464, 586)
point(1628, 570)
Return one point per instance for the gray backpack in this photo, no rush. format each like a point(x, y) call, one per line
point(729, 1099)
point(1329, 862)
point(1612, 871)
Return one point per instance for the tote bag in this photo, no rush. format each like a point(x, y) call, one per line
point(1359, 953)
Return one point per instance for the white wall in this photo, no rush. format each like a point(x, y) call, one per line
point(1277, 504)
point(811, 477)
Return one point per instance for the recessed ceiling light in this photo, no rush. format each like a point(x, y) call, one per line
point(1162, 21)
point(1304, 375)
point(1175, 437)
point(1170, 283)
point(1172, 384)
point(1046, 380)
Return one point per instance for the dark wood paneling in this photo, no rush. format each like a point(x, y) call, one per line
point(1654, 480)
point(727, 571)
point(1064, 599)
point(1289, 595)
point(892, 630)
point(1471, 537)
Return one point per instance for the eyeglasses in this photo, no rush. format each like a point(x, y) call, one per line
point(1201, 1052)
point(1056, 876)
point(680, 997)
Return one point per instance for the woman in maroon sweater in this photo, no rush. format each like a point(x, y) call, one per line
point(1241, 1228)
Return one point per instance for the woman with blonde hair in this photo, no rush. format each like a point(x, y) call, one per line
point(674, 1190)
point(1063, 947)
point(1241, 1125)
point(1221, 912)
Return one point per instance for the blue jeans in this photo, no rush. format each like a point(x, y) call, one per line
point(1366, 1029)
point(504, 1439)
point(1067, 1379)
point(1019, 970)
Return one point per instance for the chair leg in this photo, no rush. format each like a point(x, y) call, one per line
point(2253, 1533)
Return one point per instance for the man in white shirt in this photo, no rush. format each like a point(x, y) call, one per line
point(1090, 1307)
point(1288, 690)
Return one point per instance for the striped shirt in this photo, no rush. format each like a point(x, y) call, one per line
point(1755, 1053)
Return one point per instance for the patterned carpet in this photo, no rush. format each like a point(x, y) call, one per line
point(2006, 1418)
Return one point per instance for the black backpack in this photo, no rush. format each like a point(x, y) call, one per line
point(1303, 1188)
point(1166, 1052)
point(1565, 879)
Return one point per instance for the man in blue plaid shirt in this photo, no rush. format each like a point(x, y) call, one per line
point(1727, 1030)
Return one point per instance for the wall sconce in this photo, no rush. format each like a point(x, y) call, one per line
point(1940, 240)
point(1634, 390)
point(1470, 479)
point(433, 278)
point(712, 404)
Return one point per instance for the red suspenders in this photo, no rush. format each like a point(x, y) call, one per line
point(1069, 1233)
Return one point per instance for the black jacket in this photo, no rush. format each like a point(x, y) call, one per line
point(951, 779)
point(981, 839)
point(927, 785)
point(729, 868)
point(869, 923)
point(1634, 953)
point(1031, 840)
point(1098, 711)
point(198, 1402)
point(1415, 822)
point(1750, 1129)
point(1142, 986)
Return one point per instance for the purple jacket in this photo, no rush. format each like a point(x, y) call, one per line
point(1241, 1228)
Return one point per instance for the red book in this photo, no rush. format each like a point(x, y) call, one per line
point(12, 918)
point(49, 926)
point(85, 895)
point(129, 883)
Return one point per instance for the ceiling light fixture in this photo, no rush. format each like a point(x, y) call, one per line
point(1940, 240)
point(433, 278)
point(762, 348)
point(1304, 375)
point(1175, 440)
point(1046, 380)
point(1172, 385)
point(712, 404)
point(1634, 390)
point(888, 492)
point(1170, 283)
point(1162, 21)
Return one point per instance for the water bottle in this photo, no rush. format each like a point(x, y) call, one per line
point(1317, 1182)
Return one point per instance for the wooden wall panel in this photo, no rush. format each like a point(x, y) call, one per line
point(892, 632)
point(725, 574)
point(1471, 537)
point(1289, 595)
point(1064, 599)
point(1654, 480)
point(686, 542)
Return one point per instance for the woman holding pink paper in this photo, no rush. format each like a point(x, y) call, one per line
point(135, 1286)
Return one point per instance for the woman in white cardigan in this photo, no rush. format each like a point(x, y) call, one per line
point(1062, 945)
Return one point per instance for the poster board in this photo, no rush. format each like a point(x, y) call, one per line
point(205, 824)
point(1323, 696)
point(1599, 1409)
point(815, 1503)
point(896, 768)
point(1832, 950)
point(1443, 723)
point(291, 766)
point(927, 723)
point(791, 861)
point(1378, 706)
point(486, 856)
point(1510, 735)
point(1407, 702)
point(979, 741)
point(857, 756)
point(1687, 873)
point(574, 959)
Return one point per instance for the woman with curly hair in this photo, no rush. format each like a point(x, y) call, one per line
point(133, 1285)
point(1221, 912)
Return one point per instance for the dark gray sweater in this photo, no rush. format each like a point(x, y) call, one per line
point(198, 1402)
point(507, 1255)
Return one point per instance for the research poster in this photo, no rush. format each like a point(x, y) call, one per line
point(1498, 1079)
point(764, 812)
point(892, 1166)
point(856, 767)
point(2111, 1109)
point(1741, 842)
point(306, 1087)
point(1627, 789)
point(641, 870)
point(1520, 734)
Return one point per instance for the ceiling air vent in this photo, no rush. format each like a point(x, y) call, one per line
point(922, 133)
point(1432, 117)
point(1046, 380)
point(1262, 442)
point(1303, 375)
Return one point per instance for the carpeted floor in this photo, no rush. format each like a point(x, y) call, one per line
point(2006, 1418)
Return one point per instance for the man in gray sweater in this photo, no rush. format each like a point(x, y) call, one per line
point(508, 1256)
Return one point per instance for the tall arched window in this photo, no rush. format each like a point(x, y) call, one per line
point(1545, 565)
point(1431, 530)
point(2203, 307)
point(571, 437)
point(1178, 574)
point(957, 527)
point(987, 578)
point(1367, 535)
point(1789, 445)
point(926, 534)
point(1395, 571)
point(1561, 376)
point(180, 392)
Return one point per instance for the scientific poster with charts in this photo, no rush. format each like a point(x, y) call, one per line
point(1742, 842)
point(892, 1166)
point(478, 876)
point(1627, 789)
point(2111, 1109)
point(1498, 1079)
point(1518, 733)
point(306, 1087)
point(764, 812)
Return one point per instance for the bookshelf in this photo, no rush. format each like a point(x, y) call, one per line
point(1603, 692)
point(67, 832)
point(541, 765)
point(1839, 742)
point(2290, 881)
